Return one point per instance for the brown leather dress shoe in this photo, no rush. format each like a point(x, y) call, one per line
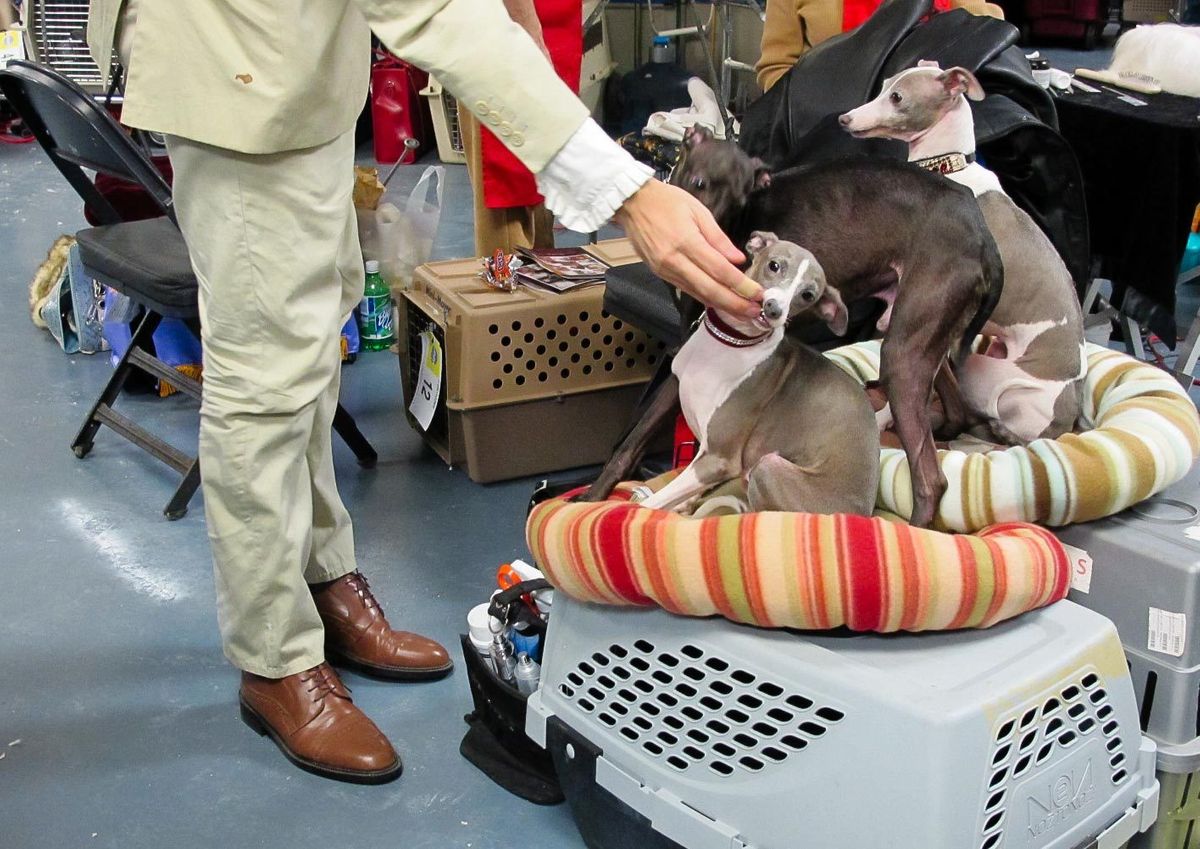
point(312, 719)
point(357, 634)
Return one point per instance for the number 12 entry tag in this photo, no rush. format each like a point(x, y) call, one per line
point(429, 381)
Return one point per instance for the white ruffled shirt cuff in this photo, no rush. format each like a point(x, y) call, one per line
point(589, 179)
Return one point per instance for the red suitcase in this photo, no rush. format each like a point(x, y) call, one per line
point(398, 112)
point(1079, 19)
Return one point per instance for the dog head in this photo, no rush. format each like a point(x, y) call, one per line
point(793, 282)
point(718, 173)
point(911, 102)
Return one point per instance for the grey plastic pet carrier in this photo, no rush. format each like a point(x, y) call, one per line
point(1144, 575)
point(671, 732)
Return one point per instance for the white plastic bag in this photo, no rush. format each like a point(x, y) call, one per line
point(404, 237)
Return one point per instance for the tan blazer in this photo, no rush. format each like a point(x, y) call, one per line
point(265, 76)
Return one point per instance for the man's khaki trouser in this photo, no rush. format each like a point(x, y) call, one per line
point(274, 243)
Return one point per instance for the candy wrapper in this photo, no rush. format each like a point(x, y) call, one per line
point(498, 271)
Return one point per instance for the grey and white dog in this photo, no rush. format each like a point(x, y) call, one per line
point(1028, 383)
point(769, 410)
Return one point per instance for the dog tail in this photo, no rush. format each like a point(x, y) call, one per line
point(993, 282)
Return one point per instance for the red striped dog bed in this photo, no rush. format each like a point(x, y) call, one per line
point(796, 570)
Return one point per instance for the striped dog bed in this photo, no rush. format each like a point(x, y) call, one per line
point(792, 570)
point(1140, 434)
point(796, 570)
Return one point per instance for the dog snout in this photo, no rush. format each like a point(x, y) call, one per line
point(772, 310)
point(845, 119)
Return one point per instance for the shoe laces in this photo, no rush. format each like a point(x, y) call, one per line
point(358, 582)
point(321, 680)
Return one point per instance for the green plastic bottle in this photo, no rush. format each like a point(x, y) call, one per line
point(375, 312)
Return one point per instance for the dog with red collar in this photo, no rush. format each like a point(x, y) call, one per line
point(769, 410)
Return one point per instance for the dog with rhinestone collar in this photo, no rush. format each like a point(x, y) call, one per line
point(1028, 383)
point(769, 410)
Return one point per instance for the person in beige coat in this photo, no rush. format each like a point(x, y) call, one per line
point(258, 101)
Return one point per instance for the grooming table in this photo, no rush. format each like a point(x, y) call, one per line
point(1141, 173)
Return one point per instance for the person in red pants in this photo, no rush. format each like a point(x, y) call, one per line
point(509, 212)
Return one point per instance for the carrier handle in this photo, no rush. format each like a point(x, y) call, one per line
point(504, 599)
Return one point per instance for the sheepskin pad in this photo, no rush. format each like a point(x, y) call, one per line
point(1139, 434)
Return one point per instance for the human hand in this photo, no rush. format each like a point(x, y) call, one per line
point(677, 237)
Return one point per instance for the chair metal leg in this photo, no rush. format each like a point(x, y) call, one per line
point(1098, 294)
point(1099, 287)
point(1133, 338)
point(347, 429)
point(1188, 354)
point(178, 505)
point(102, 413)
point(82, 443)
point(136, 358)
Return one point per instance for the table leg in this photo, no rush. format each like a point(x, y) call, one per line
point(1189, 353)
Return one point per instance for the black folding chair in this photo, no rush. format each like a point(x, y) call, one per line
point(144, 260)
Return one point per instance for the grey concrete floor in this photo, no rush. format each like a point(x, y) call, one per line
point(118, 714)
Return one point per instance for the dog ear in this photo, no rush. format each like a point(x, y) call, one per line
point(762, 174)
point(759, 241)
point(957, 81)
point(695, 134)
point(833, 311)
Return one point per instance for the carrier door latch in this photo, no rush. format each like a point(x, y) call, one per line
point(1131, 823)
point(670, 815)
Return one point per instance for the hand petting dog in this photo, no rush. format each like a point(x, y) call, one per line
point(879, 229)
point(681, 243)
